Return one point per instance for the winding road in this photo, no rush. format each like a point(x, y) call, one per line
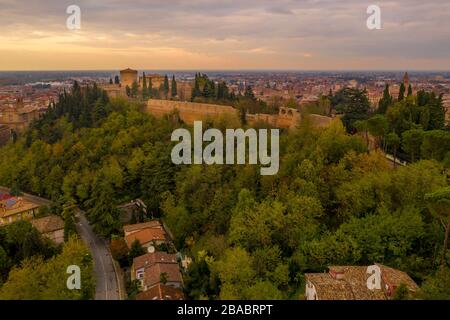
point(107, 287)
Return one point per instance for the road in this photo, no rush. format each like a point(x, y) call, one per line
point(107, 287)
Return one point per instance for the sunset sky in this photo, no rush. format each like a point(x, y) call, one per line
point(219, 34)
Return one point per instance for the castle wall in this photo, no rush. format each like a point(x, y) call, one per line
point(189, 111)
point(192, 111)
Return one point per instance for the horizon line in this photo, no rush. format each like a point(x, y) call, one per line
point(230, 70)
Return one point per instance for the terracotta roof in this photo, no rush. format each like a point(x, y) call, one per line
point(350, 283)
point(146, 236)
point(396, 277)
point(161, 292)
point(128, 70)
point(152, 275)
point(149, 259)
point(328, 288)
point(140, 226)
point(20, 205)
point(48, 224)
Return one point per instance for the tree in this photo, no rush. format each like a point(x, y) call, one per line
point(412, 142)
point(119, 250)
point(15, 190)
point(196, 90)
point(393, 141)
point(110, 81)
point(353, 103)
point(385, 101)
point(401, 293)
point(174, 87)
point(116, 80)
point(144, 86)
point(361, 126)
point(68, 214)
point(24, 241)
point(439, 203)
point(5, 265)
point(410, 93)
point(103, 212)
point(235, 272)
point(263, 290)
point(401, 93)
point(39, 279)
point(136, 250)
point(128, 91)
point(437, 112)
point(249, 93)
point(437, 286)
point(134, 89)
point(166, 86)
point(435, 145)
point(378, 127)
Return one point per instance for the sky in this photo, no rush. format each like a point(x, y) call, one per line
point(225, 35)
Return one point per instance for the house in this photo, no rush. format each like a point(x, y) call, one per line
point(128, 209)
point(149, 259)
point(51, 227)
point(356, 283)
point(162, 273)
point(147, 233)
point(146, 237)
point(161, 292)
point(14, 209)
point(131, 228)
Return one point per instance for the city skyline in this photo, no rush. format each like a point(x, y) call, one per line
point(225, 35)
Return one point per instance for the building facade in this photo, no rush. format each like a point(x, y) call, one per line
point(14, 209)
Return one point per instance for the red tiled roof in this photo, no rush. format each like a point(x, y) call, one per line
point(350, 283)
point(48, 224)
point(149, 259)
point(141, 226)
point(146, 236)
point(161, 292)
point(152, 275)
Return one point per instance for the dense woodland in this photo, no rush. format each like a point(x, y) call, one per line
point(251, 236)
point(33, 268)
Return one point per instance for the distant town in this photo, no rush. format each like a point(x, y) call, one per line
point(21, 101)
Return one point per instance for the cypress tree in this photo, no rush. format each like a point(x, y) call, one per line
point(196, 89)
point(401, 93)
point(410, 91)
point(116, 80)
point(144, 86)
point(166, 86)
point(134, 89)
point(386, 101)
point(174, 87)
point(110, 81)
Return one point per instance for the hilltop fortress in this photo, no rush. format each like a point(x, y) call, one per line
point(189, 112)
point(287, 118)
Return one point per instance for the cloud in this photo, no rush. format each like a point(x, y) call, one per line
point(288, 34)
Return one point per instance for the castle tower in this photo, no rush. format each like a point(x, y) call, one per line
point(128, 76)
